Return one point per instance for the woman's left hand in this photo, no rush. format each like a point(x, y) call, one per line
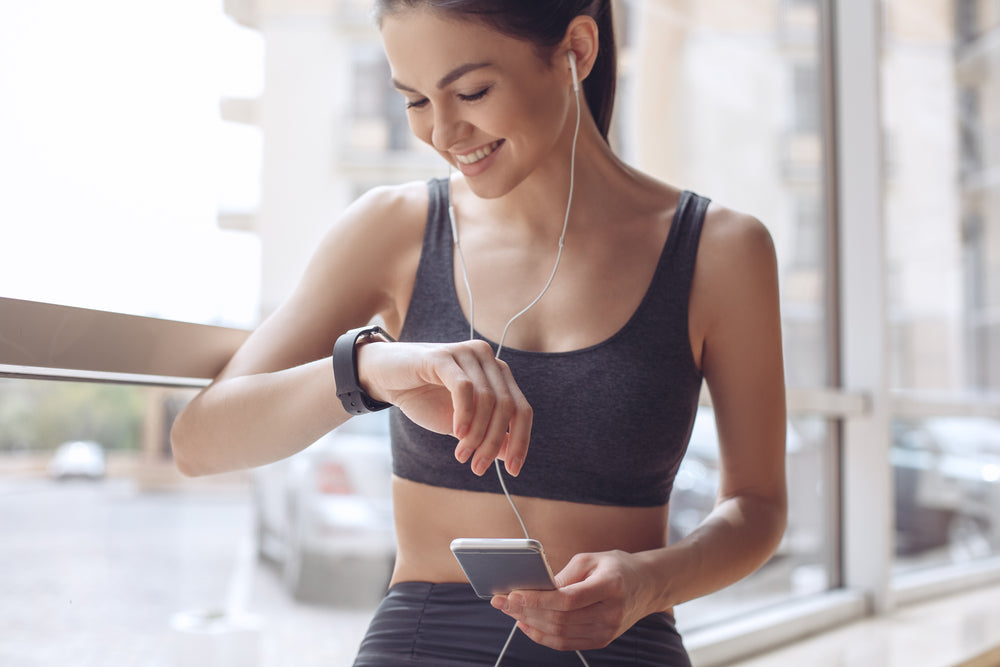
point(599, 597)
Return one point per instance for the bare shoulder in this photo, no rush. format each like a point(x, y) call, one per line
point(362, 268)
point(736, 267)
point(734, 234)
point(400, 201)
point(733, 245)
point(384, 213)
point(372, 250)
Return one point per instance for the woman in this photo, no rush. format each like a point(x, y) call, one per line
point(645, 290)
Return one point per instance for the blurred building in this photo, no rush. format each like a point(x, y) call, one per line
point(333, 127)
point(921, 206)
point(941, 110)
point(693, 79)
point(977, 97)
point(698, 78)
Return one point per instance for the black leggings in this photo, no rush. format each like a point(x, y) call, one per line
point(448, 626)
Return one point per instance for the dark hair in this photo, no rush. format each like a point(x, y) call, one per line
point(544, 23)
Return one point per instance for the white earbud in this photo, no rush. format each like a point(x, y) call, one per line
point(572, 67)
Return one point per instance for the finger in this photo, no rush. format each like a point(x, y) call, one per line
point(496, 437)
point(474, 402)
point(579, 567)
point(569, 599)
point(516, 419)
point(443, 368)
point(588, 637)
point(554, 627)
point(515, 447)
point(489, 410)
point(485, 431)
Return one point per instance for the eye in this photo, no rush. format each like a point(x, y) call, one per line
point(416, 104)
point(475, 96)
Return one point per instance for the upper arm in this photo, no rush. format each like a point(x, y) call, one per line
point(736, 317)
point(363, 267)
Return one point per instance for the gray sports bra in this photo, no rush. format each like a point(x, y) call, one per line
point(611, 421)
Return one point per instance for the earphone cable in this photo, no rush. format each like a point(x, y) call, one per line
point(503, 651)
point(461, 260)
point(552, 275)
point(562, 235)
point(503, 336)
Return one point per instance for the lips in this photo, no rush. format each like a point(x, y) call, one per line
point(481, 154)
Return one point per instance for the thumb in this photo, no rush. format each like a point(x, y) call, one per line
point(577, 569)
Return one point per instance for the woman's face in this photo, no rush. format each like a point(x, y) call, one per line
point(485, 101)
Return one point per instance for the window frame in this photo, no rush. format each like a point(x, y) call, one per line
point(55, 342)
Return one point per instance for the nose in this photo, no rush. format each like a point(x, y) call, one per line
point(448, 128)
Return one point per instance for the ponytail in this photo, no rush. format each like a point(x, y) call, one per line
point(599, 86)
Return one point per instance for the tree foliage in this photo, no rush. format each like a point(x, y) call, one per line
point(39, 415)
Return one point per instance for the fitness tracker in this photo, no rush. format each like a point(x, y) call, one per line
point(345, 371)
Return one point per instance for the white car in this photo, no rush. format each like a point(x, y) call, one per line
point(325, 514)
point(78, 459)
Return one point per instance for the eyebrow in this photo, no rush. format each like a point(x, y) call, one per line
point(449, 78)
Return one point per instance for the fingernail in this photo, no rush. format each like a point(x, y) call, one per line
point(514, 466)
point(479, 466)
point(463, 454)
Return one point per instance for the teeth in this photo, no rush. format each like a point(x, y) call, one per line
point(472, 158)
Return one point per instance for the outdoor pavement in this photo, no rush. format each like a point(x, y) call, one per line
point(95, 574)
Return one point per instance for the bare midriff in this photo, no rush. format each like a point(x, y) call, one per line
point(428, 518)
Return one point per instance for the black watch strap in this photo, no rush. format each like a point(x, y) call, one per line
point(345, 371)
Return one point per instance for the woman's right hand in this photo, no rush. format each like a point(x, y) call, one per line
point(457, 389)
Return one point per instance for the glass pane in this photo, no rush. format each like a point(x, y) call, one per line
point(803, 564)
point(724, 97)
point(114, 558)
point(941, 101)
point(117, 166)
point(947, 476)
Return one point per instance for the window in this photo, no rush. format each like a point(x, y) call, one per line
point(379, 116)
point(178, 183)
point(942, 216)
point(804, 563)
point(726, 106)
point(116, 163)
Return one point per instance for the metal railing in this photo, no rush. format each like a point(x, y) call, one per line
point(49, 341)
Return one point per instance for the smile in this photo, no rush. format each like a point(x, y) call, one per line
point(481, 154)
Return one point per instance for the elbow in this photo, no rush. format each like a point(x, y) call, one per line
point(767, 517)
point(777, 518)
point(184, 449)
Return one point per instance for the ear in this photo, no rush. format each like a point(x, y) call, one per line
point(582, 38)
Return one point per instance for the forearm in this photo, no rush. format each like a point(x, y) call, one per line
point(739, 536)
point(246, 421)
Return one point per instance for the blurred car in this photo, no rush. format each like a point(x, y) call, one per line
point(946, 472)
point(697, 482)
point(325, 514)
point(82, 459)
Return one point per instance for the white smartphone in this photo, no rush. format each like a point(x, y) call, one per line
point(499, 566)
